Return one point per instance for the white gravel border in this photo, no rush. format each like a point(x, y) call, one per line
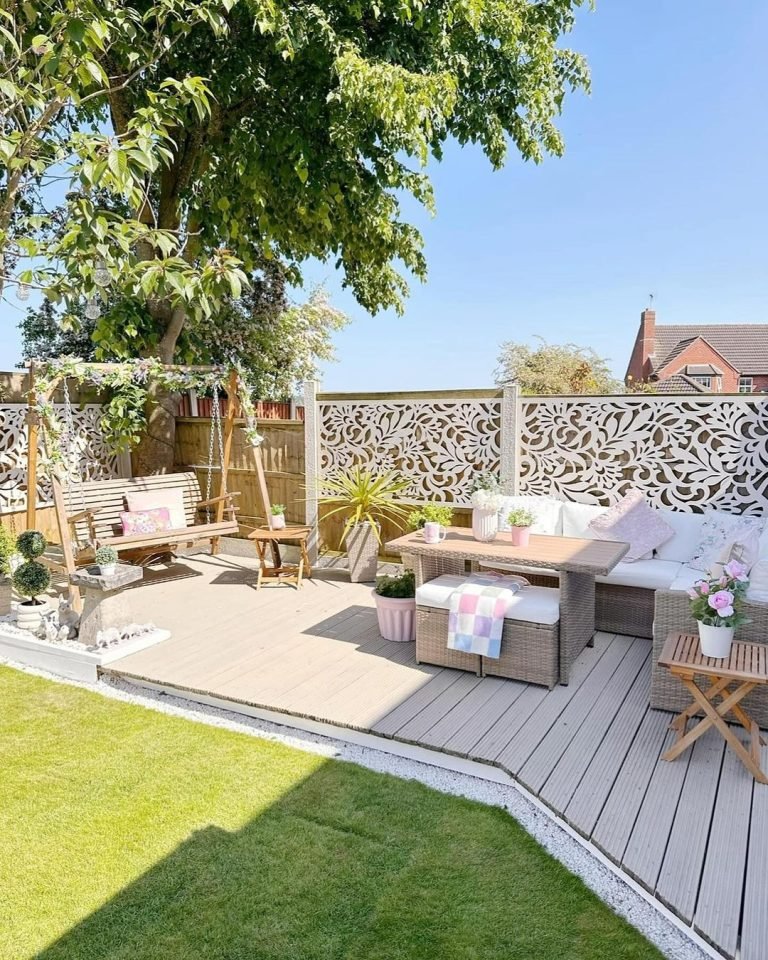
point(673, 938)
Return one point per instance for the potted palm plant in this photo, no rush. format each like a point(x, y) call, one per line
point(30, 579)
point(395, 599)
point(716, 606)
point(366, 498)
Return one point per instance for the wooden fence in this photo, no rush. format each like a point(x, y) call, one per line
point(193, 406)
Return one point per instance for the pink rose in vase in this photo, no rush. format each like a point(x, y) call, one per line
point(722, 603)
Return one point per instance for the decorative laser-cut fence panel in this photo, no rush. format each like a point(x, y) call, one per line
point(683, 452)
point(441, 444)
point(97, 461)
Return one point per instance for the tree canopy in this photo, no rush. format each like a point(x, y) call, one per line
point(551, 369)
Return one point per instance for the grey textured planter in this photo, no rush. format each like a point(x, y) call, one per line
point(363, 552)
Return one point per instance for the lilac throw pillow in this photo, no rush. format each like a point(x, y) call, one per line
point(633, 521)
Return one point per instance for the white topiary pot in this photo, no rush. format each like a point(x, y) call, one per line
point(29, 614)
point(715, 641)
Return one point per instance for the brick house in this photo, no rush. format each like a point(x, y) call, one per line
point(700, 357)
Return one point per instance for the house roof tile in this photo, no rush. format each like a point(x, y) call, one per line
point(679, 383)
point(745, 345)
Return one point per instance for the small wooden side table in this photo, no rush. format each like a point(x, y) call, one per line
point(745, 669)
point(280, 572)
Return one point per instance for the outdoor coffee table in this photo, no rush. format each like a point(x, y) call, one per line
point(745, 668)
point(578, 562)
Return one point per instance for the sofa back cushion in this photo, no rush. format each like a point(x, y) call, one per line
point(720, 531)
point(686, 537)
point(548, 513)
point(577, 518)
point(633, 521)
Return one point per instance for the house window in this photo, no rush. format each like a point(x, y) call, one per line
point(704, 381)
point(745, 384)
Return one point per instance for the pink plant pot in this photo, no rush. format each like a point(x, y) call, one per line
point(520, 536)
point(397, 618)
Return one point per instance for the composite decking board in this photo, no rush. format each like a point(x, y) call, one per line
point(754, 928)
point(648, 843)
point(588, 800)
point(463, 715)
point(722, 881)
point(625, 800)
point(505, 693)
point(536, 701)
point(549, 725)
point(403, 712)
point(678, 883)
point(557, 779)
point(414, 729)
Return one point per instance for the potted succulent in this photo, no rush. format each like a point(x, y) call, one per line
point(716, 605)
point(486, 503)
point(395, 599)
point(367, 498)
point(278, 516)
point(520, 521)
point(106, 560)
point(30, 579)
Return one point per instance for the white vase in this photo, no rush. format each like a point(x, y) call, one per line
point(715, 641)
point(29, 614)
point(278, 521)
point(485, 524)
point(107, 569)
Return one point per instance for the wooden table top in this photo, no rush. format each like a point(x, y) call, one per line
point(748, 661)
point(597, 557)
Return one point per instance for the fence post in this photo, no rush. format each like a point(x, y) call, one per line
point(292, 409)
point(510, 436)
point(311, 465)
point(193, 411)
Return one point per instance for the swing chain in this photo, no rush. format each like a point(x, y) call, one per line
point(216, 439)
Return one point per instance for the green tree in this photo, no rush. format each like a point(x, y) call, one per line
point(551, 369)
point(242, 130)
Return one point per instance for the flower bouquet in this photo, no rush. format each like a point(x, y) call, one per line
point(716, 604)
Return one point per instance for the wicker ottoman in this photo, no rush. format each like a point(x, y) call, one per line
point(530, 651)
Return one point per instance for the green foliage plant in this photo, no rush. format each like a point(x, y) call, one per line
point(277, 509)
point(555, 369)
point(401, 587)
point(521, 518)
point(430, 513)
point(105, 556)
point(366, 497)
point(8, 548)
point(31, 579)
point(31, 544)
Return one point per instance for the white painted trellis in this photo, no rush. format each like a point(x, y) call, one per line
point(683, 452)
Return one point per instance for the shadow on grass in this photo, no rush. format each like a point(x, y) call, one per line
point(350, 865)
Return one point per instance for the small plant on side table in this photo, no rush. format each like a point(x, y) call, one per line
point(278, 516)
point(520, 522)
point(716, 604)
point(395, 599)
point(30, 579)
point(106, 560)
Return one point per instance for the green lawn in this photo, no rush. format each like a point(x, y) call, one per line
point(128, 834)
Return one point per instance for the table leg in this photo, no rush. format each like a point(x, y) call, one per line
point(577, 617)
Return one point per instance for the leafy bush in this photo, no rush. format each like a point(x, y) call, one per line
point(106, 555)
point(31, 544)
point(521, 518)
point(401, 587)
point(277, 509)
point(430, 513)
point(31, 579)
point(7, 548)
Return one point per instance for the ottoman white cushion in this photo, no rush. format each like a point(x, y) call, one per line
point(531, 604)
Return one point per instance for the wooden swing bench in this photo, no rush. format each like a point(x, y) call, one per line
point(98, 522)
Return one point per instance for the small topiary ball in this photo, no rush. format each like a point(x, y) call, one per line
point(31, 579)
point(31, 544)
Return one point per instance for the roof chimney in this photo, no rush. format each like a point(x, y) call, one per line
point(642, 361)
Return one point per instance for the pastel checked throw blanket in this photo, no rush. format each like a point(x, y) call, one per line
point(476, 612)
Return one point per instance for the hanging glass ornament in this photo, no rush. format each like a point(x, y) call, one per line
point(22, 291)
point(92, 309)
point(101, 276)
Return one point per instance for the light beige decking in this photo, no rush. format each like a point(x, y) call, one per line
point(693, 832)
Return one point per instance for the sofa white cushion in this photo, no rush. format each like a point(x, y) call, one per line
point(633, 521)
point(718, 531)
point(548, 513)
point(577, 518)
point(686, 578)
point(531, 604)
point(172, 499)
point(758, 581)
point(687, 535)
point(652, 574)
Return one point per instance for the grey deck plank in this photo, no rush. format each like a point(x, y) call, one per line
point(463, 714)
point(589, 798)
point(395, 719)
point(463, 739)
point(722, 881)
point(569, 752)
point(414, 729)
point(754, 930)
point(678, 884)
point(550, 726)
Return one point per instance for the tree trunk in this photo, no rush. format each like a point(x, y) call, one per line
point(155, 452)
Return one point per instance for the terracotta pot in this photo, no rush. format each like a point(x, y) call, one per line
point(715, 641)
point(520, 536)
point(485, 524)
point(397, 617)
point(363, 552)
point(30, 613)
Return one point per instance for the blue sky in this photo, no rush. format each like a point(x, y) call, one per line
point(662, 189)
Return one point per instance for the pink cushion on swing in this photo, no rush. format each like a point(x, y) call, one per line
point(172, 500)
point(146, 521)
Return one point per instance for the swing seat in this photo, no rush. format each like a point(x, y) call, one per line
point(98, 523)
